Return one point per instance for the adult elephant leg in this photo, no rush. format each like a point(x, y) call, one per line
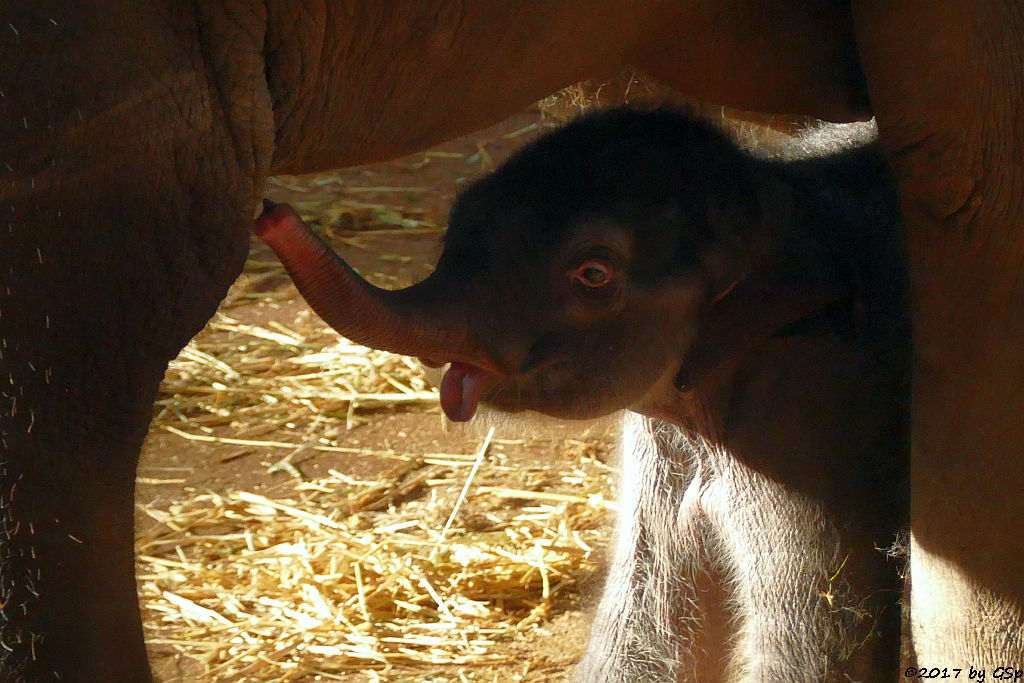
point(67, 473)
point(125, 203)
point(88, 326)
point(947, 83)
point(90, 316)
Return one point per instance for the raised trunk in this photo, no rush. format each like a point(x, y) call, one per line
point(415, 321)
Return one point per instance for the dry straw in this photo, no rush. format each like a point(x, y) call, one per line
point(424, 573)
point(337, 577)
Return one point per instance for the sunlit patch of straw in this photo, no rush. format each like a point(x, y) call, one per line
point(318, 582)
point(427, 572)
point(431, 568)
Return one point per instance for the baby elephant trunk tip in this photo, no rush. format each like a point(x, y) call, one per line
point(273, 217)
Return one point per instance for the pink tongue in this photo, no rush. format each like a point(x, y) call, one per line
point(460, 391)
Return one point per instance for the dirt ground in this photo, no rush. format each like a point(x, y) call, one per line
point(386, 220)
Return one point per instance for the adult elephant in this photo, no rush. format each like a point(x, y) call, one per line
point(134, 142)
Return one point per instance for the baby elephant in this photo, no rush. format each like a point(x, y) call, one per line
point(748, 313)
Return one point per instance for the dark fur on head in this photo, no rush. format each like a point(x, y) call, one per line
point(661, 171)
point(680, 213)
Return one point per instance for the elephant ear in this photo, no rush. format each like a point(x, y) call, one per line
point(746, 315)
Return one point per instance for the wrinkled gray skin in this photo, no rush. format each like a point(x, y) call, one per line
point(632, 252)
point(135, 137)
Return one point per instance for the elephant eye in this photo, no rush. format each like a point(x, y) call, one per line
point(592, 274)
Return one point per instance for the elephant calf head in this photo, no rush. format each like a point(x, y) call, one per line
point(600, 262)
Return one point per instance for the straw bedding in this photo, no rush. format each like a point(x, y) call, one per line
point(427, 571)
point(338, 578)
point(438, 568)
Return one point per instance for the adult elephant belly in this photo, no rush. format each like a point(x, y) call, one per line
point(134, 142)
point(368, 83)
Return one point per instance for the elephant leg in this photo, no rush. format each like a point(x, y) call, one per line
point(660, 592)
point(805, 592)
point(806, 497)
point(67, 590)
point(131, 170)
point(85, 338)
point(947, 84)
point(722, 572)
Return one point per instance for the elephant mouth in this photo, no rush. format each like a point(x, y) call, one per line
point(523, 384)
point(461, 389)
point(465, 385)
